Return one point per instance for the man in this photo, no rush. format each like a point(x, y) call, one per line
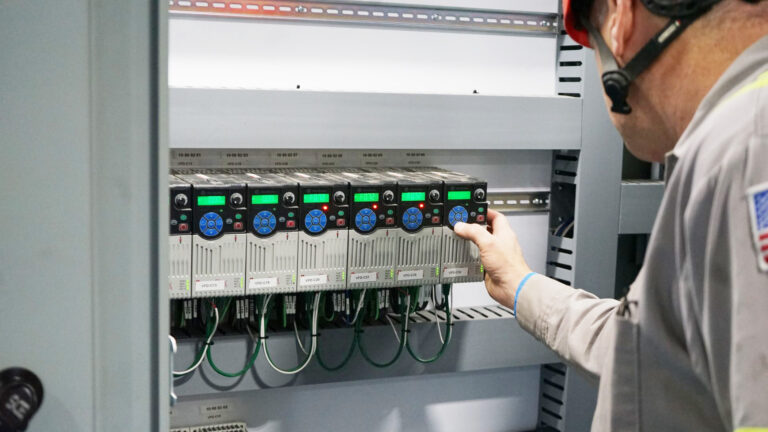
point(687, 349)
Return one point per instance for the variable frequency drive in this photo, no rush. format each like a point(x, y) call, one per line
point(218, 235)
point(244, 232)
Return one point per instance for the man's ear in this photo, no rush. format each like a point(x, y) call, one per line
point(621, 26)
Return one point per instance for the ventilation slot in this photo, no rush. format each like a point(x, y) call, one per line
point(371, 252)
point(419, 251)
point(456, 250)
point(560, 259)
point(565, 168)
point(552, 411)
point(570, 70)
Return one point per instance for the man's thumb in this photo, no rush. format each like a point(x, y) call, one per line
point(473, 232)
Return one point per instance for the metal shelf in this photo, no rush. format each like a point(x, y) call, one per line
point(640, 201)
point(277, 119)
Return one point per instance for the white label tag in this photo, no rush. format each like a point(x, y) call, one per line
point(216, 411)
point(210, 285)
point(313, 280)
point(262, 283)
point(410, 275)
point(456, 272)
point(362, 277)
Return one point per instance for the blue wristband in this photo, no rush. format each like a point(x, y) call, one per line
point(520, 287)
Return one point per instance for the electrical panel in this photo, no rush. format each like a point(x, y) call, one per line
point(273, 234)
point(247, 232)
point(218, 235)
point(323, 234)
point(464, 202)
point(180, 239)
point(420, 213)
point(373, 234)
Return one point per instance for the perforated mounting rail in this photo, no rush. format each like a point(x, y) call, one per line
point(376, 15)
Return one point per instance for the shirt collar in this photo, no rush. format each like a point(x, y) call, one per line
point(753, 58)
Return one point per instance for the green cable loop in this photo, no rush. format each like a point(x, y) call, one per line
point(208, 330)
point(246, 368)
point(374, 300)
point(301, 363)
point(414, 293)
point(285, 315)
point(323, 310)
point(344, 362)
point(446, 341)
point(248, 364)
point(399, 348)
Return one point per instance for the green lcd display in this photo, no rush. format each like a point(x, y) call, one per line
point(413, 196)
point(316, 198)
point(264, 199)
point(459, 195)
point(366, 197)
point(211, 200)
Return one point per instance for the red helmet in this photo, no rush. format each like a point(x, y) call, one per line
point(573, 26)
point(667, 8)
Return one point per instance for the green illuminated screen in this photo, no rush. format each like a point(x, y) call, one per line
point(264, 199)
point(212, 200)
point(413, 196)
point(366, 197)
point(316, 198)
point(459, 195)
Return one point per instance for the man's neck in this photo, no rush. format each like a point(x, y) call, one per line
point(691, 67)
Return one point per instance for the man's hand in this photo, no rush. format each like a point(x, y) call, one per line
point(501, 255)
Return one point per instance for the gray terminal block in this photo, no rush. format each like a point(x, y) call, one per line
point(180, 239)
point(273, 234)
point(219, 236)
point(373, 231)
point(323, 234)
point(419, 216)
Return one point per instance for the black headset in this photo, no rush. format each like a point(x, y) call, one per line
point(616, 80)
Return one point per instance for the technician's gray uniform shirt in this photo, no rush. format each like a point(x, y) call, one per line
point(691, 351)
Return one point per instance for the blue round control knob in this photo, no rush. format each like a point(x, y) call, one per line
point(412, 218)
point(315, 221)
point(365, 220)
point(457, 214)
point(211, 224)
point(264, 222)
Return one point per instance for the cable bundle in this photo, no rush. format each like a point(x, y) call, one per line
point(404, 303)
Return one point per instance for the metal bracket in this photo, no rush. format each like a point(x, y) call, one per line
point(422, 17)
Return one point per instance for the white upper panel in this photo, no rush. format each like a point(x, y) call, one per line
point(253, 54)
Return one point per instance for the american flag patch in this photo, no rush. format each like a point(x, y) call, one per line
point(758, 209)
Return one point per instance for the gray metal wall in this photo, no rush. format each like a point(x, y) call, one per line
point(78, 186)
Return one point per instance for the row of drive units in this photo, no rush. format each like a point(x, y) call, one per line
point(243, 232)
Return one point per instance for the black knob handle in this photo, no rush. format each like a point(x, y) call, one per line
point(434, 195)
point(339, 197)
point(236, 199)
point(389, 196)
point(21, 394)
point(479, 194)
point(289, 198)
point(181, 200)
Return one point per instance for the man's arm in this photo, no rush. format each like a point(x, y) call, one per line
point(574, 323)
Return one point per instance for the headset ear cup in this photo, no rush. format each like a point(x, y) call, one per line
point(616, 85)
